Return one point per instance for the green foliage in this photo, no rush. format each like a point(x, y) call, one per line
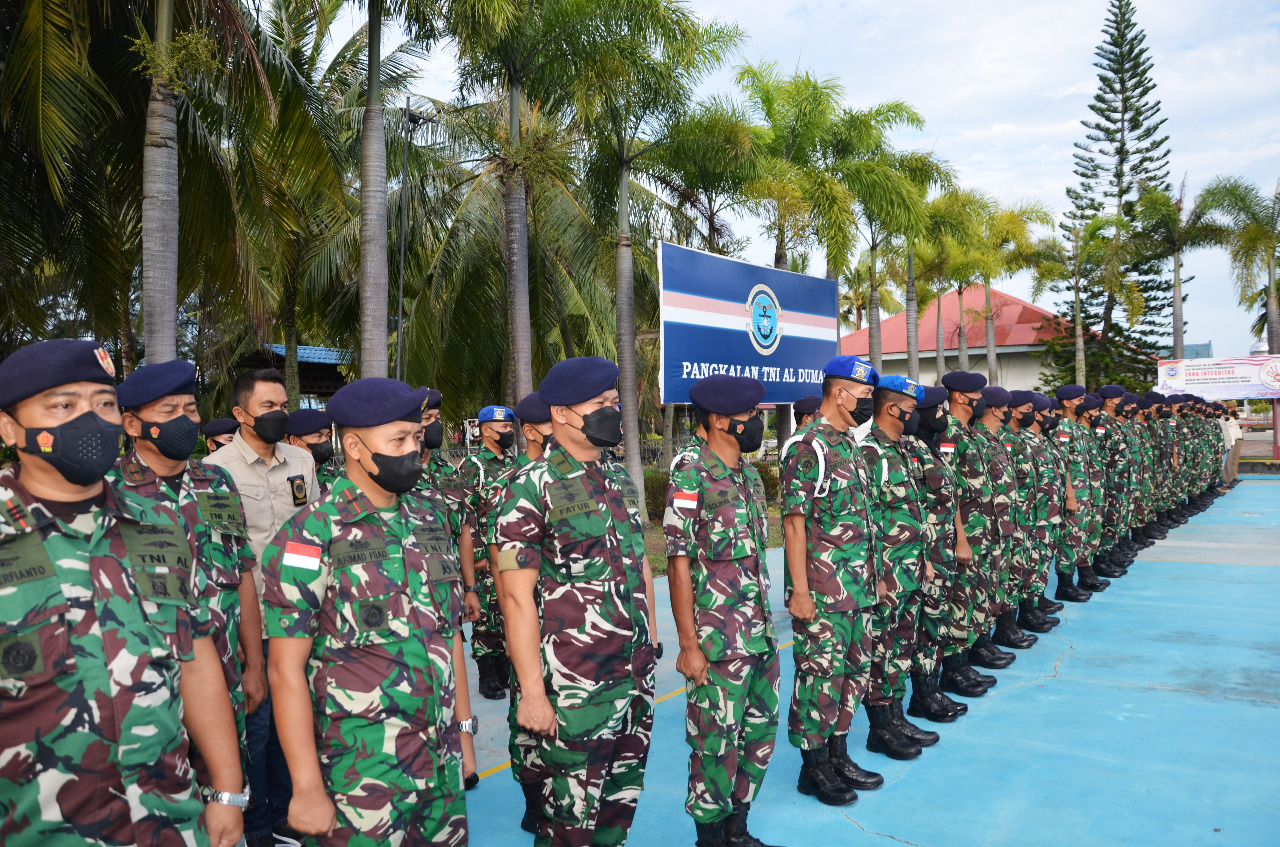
point(655, 493)
point(191, 55)
point(769, 476)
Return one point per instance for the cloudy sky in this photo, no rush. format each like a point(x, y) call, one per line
point(1003, 86)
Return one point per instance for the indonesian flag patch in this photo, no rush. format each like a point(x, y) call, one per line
point(946, 447)
point(1064, 436)
point(685, 500)
point(305, 556)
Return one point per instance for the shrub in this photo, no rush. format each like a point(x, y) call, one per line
point(655, 493)
point(769, 476)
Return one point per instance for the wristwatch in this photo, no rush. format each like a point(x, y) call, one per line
point(471, 589)
point(226, 798)
point(470, 726)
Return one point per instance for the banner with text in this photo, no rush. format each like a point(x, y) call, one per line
point(1244, 378)
point(720, 315)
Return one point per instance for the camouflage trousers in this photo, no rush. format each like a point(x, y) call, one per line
point(968, 616)
point(526, 765)
point(380, 814)
point(487, 635)
point(596, 772)
point(833, 666)
point(1113, 515)
point(893, 642)
point(1075, 545)
point(731, 723)
point(941, 603)
point(992, 586)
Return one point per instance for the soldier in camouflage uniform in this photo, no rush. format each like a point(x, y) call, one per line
point(831, 584)
point(105, 651)
point(579, 597)
point(804, 409)
point(965, 452)
point(1056, 500)
point(1039, 495)
point(161, 418)
point(364, 611)
point(479, 470)
point(716, 528)
point(1089, 413)
point(1114, 446)
point(312, 430)
point(896, 505)
point(1071, 438)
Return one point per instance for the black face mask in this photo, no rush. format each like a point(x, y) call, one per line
point(934, 420)
point(603, 427)
point(396, 474)
point(863, 410)
point(82, 450)
point(1026, 419)
point(1049, 423)
point(321, 452)
point(506, 439)
point(433, 435)
point(910, 422)
point(540, 441)
point(271, 426)
point(1006, 415)
point(749, 433)
point(979, 407)
point(174, 439)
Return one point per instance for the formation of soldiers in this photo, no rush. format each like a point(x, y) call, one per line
point(259, 647)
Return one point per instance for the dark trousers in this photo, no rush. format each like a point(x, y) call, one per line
point(268, 772)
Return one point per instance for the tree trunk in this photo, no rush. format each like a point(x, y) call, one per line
point(962, 338)
point(940, 357)
point(1273, 310)
point(873, 316)
point(668, 428)
point(160, 209)
point(374, 275)
point(624, 305)
point(127, 346)
point(780, 250)
point(913, 318)
point(1079, 338)
point(517, 248)
point(1178, 347)
point(993, 367)
point(289, 323)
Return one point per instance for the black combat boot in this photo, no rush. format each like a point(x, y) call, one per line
point(968, 670)
point(1164, 520)
point(884, 737)
point(1009, 635)
point(817, 779)
point(1069, 591)
point(956, 681)
point(1049, 606)
point(735, 828)
point(710, 834)
point(847, 769)
point(487, 679)
point(503, 665)
point(1103, 566)
point(908, 730)
point(927, 703)
point(1089, 580)
point(941, 696)
point(533, 812)
point(1031, 618)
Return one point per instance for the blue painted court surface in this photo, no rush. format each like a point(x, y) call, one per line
point(1151, 716)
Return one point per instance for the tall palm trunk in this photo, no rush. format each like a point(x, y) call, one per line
point(668, 428)
point(128, 352)
point(517, 248)
point(374, 275)
point(780, 249)
point(993, 367)
point(625, 307)
point(873, 316)
point(1178, 347)
point(289, 324)
point(1273, 309)
point(782, 412)
point(940, 359)
point(160, 209)
point(1079, 338)
point(913, 317)
point(962, 340)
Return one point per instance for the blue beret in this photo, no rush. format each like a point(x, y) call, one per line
point(47, 364)
point(491, 414)
point(1021, 398)
point(995, 396)
point(1069, 392)
point(807, 405)
point(1110, 392)
point(1155, 396)
point(722, 394)
point(374, 401)
point(902, 385)
point(577, 380)
point(934, 395)
point(1040, 403)
point(433, 398)
point(151, 382)
point(220, 426)
point(532, 410)
point(964, 382)
point(307, 421)
point(851, 367)
point(1090, 402)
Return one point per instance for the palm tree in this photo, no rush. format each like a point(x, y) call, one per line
point(1169, 233)
point(1253, 241)
point(1005, 246)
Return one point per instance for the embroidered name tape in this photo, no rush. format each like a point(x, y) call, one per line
point(304, 556)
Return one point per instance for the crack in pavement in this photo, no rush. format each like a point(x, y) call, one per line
point(880, 834)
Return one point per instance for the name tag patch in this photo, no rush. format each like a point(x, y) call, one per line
point(24, 560)
point(222, 511)
point(345, 552)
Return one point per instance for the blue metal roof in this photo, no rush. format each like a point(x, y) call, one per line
point(316, 355)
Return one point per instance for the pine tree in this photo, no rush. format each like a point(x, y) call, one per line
point(1123, 152)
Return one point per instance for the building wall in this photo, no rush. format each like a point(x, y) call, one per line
point(1017, 370)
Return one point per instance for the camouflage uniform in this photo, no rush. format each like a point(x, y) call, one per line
point(440, 476)
point(823, 480)
point(1046, 507)
point(1004, 503)
point(93, 630)
point(1097, 487)
point(942, 605)
point(578, 525)
point(1022, 544)
point(896, 506)
point(210, 505)
point(380, 595)
point(1113, 446)
point(478, 471)
point(718, 517)
point(966, 453)
point(326, 476)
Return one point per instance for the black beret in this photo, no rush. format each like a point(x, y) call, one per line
point(1040, 403)
point(722, 394)
point(577, 380)
point(1069, 392)
point(934, 395)
point(996, 396)
point(1155, 396)
point(43, 365)
point(1054, 405)
point(220, 426)
point(1110, 392)
point(1090, 402)
point(374, 401)
point(964, 382)
point(806, 405)
point(1175, 399)
point(151, 382)
point(1021, 398)
point(307, 421)
point(1144, 403)
point(433, 398)
point(532, 410)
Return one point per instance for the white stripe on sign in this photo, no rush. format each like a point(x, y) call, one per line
point(679, 315)
point(301, 556)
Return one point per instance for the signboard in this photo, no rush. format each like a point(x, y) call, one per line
point(720, 315)
point(1244, 378)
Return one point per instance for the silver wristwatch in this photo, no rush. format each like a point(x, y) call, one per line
point(470, 726)
point(226, 798)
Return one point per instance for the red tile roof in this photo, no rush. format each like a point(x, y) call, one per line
point(1018, 323)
